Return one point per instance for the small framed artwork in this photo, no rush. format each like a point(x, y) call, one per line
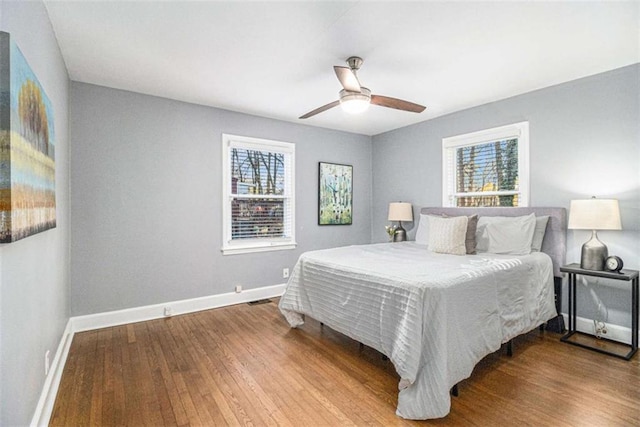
point(335, 194)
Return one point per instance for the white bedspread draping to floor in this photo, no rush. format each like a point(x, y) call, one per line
point(435, 316)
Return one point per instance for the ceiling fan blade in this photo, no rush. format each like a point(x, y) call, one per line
point(348, 80)
point(398, 104)
point(320, 110)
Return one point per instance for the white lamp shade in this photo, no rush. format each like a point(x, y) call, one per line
point(594, 214)
point(400, 211)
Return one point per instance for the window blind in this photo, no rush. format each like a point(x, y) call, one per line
point(259, 194)
point(487, 174)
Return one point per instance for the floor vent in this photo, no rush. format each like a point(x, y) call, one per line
point(260, 301)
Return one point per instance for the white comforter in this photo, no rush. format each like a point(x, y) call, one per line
point(435, 316)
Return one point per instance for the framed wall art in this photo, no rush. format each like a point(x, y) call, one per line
point(335, 194)
point(27, 149)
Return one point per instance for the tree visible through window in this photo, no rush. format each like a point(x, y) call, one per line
point(487, 168)
point(261, 174)
point(258, 194)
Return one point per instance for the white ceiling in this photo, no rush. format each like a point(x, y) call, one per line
point(274, 59)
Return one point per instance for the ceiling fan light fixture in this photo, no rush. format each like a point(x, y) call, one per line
point(355, 98)
point(355, 102)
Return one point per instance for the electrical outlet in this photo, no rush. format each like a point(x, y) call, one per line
point(285, 273)
point(238, 289)
point(168, 312)
point(47, 362)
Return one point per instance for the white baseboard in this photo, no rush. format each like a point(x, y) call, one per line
point(614, 332)
point(44, 408)
point(156, 311)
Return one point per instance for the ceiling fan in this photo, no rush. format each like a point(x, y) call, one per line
point(355, 98)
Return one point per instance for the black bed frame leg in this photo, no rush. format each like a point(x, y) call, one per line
point(454, 391)
point(541, 327)
point(360, 347)
point(510, 348)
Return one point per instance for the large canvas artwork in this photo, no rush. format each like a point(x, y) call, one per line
point(335, 205)
point(27, 149)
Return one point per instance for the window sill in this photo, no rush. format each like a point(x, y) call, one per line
point(236, 250)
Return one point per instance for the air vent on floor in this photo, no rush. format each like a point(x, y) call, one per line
point(260, 301)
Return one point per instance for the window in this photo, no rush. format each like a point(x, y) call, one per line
point(487, 168)
point(258, 195)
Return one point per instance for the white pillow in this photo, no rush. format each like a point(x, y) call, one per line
point(448, 235)
point(482, 238)
point(422, 235)
point(510, 235)
point(538, 234)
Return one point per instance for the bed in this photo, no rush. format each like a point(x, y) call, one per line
point(434, 315)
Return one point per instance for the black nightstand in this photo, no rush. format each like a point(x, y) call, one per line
point(627, 275)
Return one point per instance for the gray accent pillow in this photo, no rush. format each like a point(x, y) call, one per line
point(422, 235)
point(538, 234)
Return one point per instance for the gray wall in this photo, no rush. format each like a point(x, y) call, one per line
point(145, 197)
point(34, 292)
point(584, 141)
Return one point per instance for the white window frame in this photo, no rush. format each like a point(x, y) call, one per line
point(451, 144)
point(242, 246)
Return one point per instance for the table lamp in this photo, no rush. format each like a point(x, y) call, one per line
point(400, 211)
point(594, 214)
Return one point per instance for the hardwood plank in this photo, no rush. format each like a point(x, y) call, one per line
point(120, 358)
point(131, 333)
point(132, 374)
point(243, 365)
point(95, 413)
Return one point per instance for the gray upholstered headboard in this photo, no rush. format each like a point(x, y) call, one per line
point(555, 238)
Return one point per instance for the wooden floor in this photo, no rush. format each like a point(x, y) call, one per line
point(243, 365)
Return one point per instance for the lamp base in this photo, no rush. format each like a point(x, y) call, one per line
point(401, 234)
point(594, 252)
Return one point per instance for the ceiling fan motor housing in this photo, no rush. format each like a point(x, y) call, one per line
point(364, 95)
point(355, 62)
